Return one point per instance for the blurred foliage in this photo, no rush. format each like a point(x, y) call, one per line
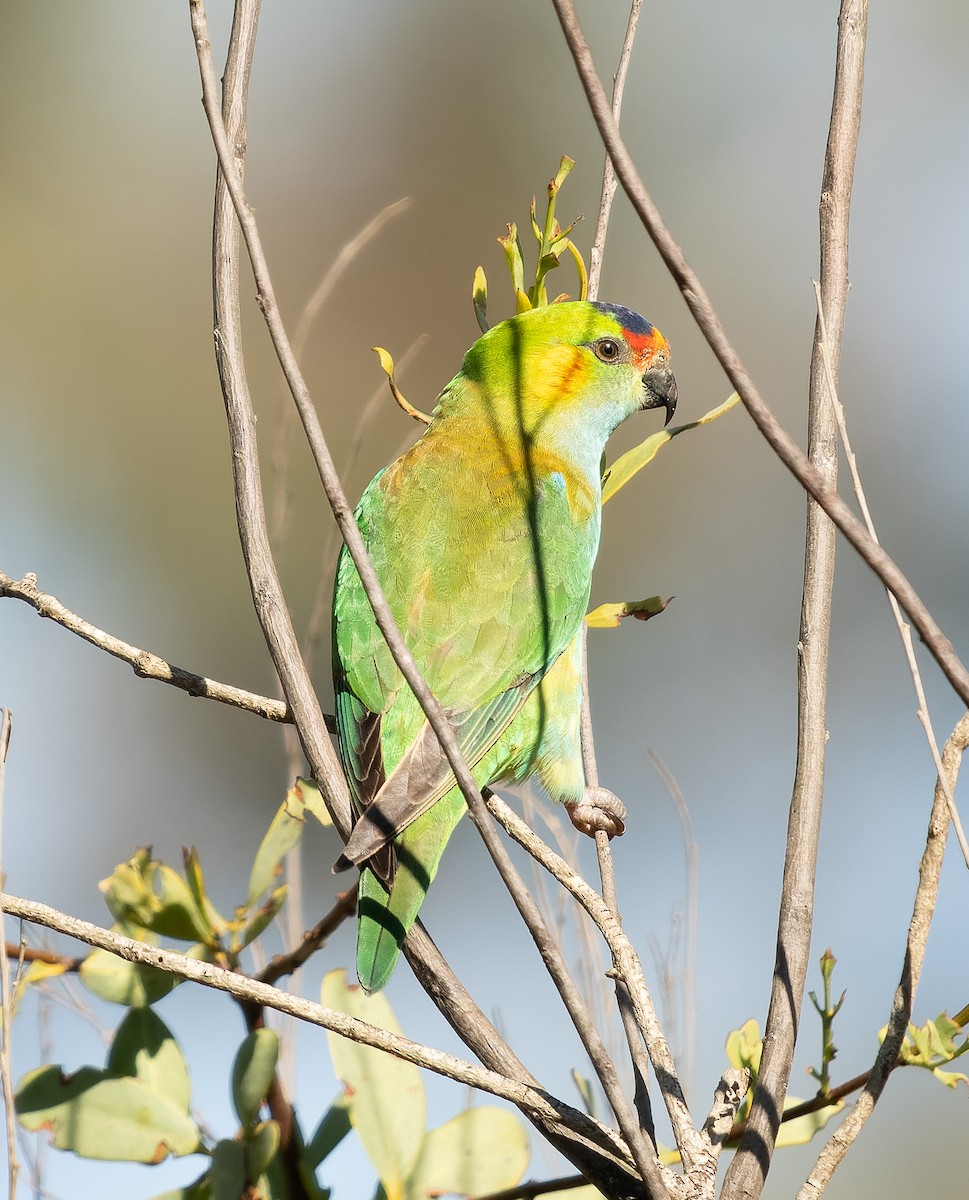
point(137, 1107)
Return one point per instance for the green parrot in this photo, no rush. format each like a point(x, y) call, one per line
point(483, 536)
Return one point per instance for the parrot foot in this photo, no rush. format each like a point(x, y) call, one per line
point(599, 809)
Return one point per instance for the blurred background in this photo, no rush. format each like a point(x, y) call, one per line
point(115, 489)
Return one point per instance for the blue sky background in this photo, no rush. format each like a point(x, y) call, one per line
point(115, 487)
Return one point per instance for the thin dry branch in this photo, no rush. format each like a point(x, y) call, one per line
point(712, 329)
point(904, 630)
point(626, 963)
point(144, 663)
point(745, 1177)
point(918, 931)
point(609, 182)
point(314, 939)
point(6, 998)
point(641, 1147)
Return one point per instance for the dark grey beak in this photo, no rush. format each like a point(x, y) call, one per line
point(660, 387)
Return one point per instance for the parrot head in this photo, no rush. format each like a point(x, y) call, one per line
point(647, 351)
point(567, 373)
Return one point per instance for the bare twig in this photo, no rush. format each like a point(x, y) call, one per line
point(691, 853)
point(626, 963)
point(746, 1174)
point(6, 999)
point(31, 954)
point(634, 1034)
point(145, 664)
point(348, 252)
point(285, 964)
point(904, 630)
point(643, 1150)
point(529, 1191)
point(609, 183)
point(710, 326)
point(918, 931)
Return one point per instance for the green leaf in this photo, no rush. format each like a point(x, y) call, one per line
point(933, 1046)
point(122, 982)
point(330, 1132)
point(513, 256)
point(144, 1047)
point(633, 461)
point(584, 1088)
point(480, 1150)
point(252, 1073)
point(261, 1147)
point(283, 834)
point(178, 914)
point(262, 919)
point(196, 883)
point(199, 1190)
point(385, 1094)
point(608, 616)
point(102, 1117)
point(227, 1176)
point(128, 890)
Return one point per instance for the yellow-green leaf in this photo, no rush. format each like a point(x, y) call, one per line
point(122, 982)
point(98, 1116)
point(313, 800)
point(385, 1095)
point(802, 1129)
point(608, 616)
point(145, 1049)
point(479, 299)
point(745, 1046)
point(284, 832)
point(633, 461)
point(480, 1150)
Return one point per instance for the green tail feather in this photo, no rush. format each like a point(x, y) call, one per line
point(383, 920)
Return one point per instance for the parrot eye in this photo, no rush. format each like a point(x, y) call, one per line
point(607, 350)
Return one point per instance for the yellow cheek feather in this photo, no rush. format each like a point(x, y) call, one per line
point(555, 375)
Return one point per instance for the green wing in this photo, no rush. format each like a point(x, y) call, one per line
point(487, 596)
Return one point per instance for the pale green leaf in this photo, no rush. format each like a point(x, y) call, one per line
point(144, 1047)
point(196, 882)
point(98, 1116)
point(385, 1095)
point(283, 834)
point(313, 800)
point(802, 1129)
point(178, 914)
point(128, 890)
point(744, 1047)
point(262, 919)
point(480, 1150)
point(122, 982)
